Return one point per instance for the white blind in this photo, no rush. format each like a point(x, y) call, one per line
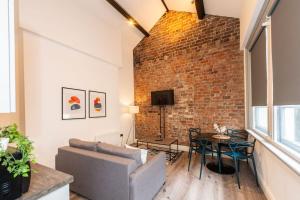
point(7, 57)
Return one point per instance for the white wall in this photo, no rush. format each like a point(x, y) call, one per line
point(249, 13)
point(79, 44)
point(130, 38)
point(277, 180)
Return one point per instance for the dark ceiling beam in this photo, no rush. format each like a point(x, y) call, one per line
point(200, 9)
point(165, 5)
point(130, 19)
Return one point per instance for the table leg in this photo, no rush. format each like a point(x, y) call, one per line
point(170, 152)
point(219, 158)
point(137, 143)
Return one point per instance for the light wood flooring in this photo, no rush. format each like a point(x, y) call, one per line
point(184, 185)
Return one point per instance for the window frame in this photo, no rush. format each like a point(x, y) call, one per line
point(9, 85)
point(269, 140)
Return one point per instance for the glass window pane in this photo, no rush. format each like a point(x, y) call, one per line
point(287, 126)
point(260, 118)
point(7, 57)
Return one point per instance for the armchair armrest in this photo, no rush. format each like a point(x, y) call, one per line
point(147, 180)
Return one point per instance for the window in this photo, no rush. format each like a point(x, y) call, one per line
point(260, 118)
point(286, 72)
point(259, 83)
point(287, 126)
point(274, 73)
point(7, 57)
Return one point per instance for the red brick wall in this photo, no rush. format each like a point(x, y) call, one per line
point(202, 62)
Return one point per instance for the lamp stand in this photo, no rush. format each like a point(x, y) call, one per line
point(131, 127)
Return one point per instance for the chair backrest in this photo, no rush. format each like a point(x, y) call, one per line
point(241, 146)
point(243, 134)
point(193, 132)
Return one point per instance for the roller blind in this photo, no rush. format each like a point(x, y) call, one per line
point(286, 52)
point(259, 71)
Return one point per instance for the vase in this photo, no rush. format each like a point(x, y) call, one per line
point(10, 187)
point(26, 181)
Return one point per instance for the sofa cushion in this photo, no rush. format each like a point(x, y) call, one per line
point(144, 152)
point(90, 146)
point(120, 151)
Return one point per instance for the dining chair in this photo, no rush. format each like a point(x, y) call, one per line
point(237, 134)
point(242, 151)
point(205, 147)
point(199, 145)
point(193, 133)
point(234, 133)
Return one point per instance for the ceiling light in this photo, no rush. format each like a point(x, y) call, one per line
point(131, 22)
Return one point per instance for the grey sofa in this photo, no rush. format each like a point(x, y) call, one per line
point(108, 172)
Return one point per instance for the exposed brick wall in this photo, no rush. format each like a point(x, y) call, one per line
point(202, 62)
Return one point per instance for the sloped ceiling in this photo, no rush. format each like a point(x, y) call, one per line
point(148, 12)
point(227, 8)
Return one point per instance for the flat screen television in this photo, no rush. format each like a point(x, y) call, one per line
point(162, 98)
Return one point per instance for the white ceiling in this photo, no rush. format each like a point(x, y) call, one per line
point(228, 8)
point(148, 12)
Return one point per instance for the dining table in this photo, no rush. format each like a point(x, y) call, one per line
point(220, 143)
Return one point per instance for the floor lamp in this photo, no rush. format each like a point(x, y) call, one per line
point(132, 110)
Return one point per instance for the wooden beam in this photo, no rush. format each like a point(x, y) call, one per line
point(130, 19)
point(165, 5)
point(200, 9)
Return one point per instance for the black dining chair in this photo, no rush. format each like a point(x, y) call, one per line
point(234, 133)
point(205, 147)
point(242, 151)
point(193, 134)
point(198, 145)
point(238, 134)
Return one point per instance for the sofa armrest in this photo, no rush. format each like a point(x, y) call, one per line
point(96, 175)
point(147, 180)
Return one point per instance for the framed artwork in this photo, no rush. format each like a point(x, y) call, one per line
point(97, 104)
point(73, 103)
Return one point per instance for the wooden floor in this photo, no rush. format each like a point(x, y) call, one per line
point(184, 185)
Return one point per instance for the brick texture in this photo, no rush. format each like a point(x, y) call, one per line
point(202, 62)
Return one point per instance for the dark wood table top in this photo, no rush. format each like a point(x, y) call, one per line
point(209, 136)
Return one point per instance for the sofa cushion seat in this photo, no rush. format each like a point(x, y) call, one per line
point(120, 151)
point(80, 144)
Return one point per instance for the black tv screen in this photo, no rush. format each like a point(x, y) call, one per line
point(161, 98)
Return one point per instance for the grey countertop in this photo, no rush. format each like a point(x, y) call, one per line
point(44, 181)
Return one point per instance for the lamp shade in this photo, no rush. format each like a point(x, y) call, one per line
point(133, 109)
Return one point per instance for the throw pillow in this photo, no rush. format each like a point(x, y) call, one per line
point(120, 151)
point(144, 152)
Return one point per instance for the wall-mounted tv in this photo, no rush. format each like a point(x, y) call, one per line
point(162, 98)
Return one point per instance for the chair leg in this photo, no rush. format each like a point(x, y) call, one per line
point(237, 172)
point(212, 153)
point(201, 165)
point(190, 157)
point(239, 166)
point(255, 172)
